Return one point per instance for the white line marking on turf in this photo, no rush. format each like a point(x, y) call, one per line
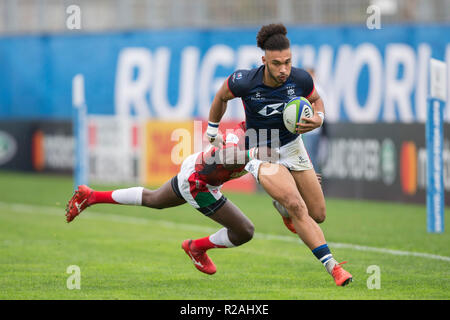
point(95, 215)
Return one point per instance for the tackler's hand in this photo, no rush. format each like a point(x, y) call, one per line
point(216, 142)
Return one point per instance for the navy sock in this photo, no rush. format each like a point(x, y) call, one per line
point(322, 253)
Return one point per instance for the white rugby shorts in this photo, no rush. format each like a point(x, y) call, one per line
point(187, 185)
point(294, 156)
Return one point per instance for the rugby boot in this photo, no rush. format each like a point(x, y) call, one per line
point(199, 257)
point(78, 202)
point(341, 277)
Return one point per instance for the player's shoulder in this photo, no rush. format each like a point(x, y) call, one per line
point(242, 80)
point(302, 79)
point(299, 74)
point(246, 74)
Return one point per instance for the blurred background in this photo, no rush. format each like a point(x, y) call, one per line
point(152, 67)
point(28, 16)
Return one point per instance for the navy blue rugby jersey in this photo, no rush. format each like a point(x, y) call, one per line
point(264, 105)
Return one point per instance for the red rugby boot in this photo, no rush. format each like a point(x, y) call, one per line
point(341, 277)
point(78, 202)
point(199, 257)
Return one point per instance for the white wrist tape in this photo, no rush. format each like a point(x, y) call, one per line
point(213, 129)
point(322, 116)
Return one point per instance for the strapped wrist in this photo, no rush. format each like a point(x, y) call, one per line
point(252, 153)
point(213, 129)
point(322, 116)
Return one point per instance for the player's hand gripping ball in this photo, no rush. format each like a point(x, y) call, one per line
point(294, 110)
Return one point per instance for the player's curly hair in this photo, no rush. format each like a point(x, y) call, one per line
point(272, 37)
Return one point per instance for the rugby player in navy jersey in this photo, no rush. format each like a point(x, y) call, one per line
point(264, 92)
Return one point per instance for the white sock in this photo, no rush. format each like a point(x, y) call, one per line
point(220, 238)
point(329, 265)
point(131, 196)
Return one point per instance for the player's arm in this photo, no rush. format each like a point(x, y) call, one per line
point(218, 108)
point(319, 112)
point(306, 82)
point(233, 157)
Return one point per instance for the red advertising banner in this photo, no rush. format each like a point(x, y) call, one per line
point(167, 144)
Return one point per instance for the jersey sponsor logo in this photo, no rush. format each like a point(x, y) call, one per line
point(272, 109)
point(257, 97)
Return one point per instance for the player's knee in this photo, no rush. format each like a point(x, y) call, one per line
point(296, 208)
point(249, 231)
point(319, 214)
point(246, 233)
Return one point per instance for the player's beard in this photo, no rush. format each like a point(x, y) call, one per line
point(274, 78)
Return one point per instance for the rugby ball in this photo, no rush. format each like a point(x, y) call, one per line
point(294, 110)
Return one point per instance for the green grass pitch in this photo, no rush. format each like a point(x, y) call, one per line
point(126, 252)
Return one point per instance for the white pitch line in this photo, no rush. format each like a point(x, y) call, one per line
point(95, 215)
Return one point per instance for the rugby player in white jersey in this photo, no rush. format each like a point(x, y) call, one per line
point(198, 183)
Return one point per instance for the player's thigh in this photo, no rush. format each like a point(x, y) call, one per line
point(232, 218)
point(309, 187)
point(164, 197)
point(280, 185)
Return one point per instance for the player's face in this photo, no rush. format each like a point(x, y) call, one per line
point(278, 65)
